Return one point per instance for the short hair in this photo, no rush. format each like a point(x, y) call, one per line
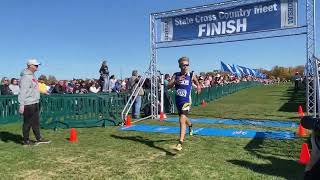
point(135, 73)
point(4, 79)
point(42, 77)
point(183, 58)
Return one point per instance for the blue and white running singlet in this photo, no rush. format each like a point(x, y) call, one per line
point(183, 92)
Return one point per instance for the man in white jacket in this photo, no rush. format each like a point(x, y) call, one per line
point(28, 98)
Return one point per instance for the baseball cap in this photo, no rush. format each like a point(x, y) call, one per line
point(5, 79)
point(33, 62)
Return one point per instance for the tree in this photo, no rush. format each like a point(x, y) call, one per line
point(285, 72)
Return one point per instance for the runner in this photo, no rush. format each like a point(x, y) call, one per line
point(183, 83)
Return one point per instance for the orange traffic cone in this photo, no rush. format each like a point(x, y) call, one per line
point(128, 121)
point(73, 135)
point(162, 116)
point(300, 111)
point(304, 154)
point(203, 104)
point(301, 131)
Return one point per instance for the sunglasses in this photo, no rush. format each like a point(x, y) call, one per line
point(36, 65)
point(184, 65)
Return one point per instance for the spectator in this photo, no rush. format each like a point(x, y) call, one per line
point(207, 81)
point(42, 86)
point(278, 80)
point(104, 76)
point(166, 98)
point(51, 87)
point(28, 98)
point(68, 87)
point(83, 87)
point(14, 87)
point(166, 80)
point(59, 88)
point(94, 88)
point(147, 84)
point(201, 81)
point(124, 85)
point(112, 83)
point(4, 88)
point(73, 83)
point(297, 80)
point(77, 89)
point(117, 87)
point(218, 80)
point(133, 83)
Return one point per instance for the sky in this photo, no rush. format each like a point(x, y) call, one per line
point(72, 37)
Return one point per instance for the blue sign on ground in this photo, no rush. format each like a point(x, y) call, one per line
point(213, 132)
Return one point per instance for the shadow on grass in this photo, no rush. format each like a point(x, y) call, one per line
point(296, 98)
point(10, 137)
point(278, 166)
point(147, 142)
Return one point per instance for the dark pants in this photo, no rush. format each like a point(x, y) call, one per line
point(31, 120)
point(166, 103)
point(296, 84)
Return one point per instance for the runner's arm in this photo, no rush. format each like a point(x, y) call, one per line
point(172, 82)
point(196, 82)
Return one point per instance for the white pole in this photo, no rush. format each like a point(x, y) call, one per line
point(162, 93)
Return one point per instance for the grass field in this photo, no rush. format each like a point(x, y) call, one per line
point(107, 153)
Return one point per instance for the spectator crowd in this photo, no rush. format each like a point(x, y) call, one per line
point(107, 83)
point(80, 86)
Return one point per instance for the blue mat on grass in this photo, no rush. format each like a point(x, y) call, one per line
point(213, 131)
point(266, 123)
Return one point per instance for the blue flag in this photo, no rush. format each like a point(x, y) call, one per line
point(251, 72)
point(244, 70)
point(236, 70)
point(226, 67)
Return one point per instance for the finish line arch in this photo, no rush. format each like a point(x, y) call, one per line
point(229, 22)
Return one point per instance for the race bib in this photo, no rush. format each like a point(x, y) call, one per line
point(184, 82)
point(182, 92)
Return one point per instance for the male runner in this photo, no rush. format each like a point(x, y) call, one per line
point(183, 83)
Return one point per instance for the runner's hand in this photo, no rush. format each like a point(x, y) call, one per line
point(181, 78)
